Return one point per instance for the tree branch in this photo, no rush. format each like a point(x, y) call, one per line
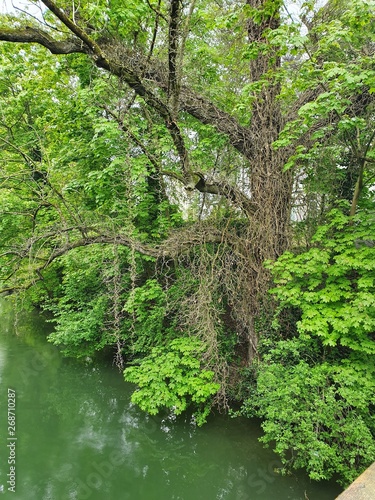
point(220, 187)
point(207, 113)
point(177, 243)
point(173, 34)
point(130, 72)
point(223, 188)
point(118, 68)
point(74, 28)
point(34, 35)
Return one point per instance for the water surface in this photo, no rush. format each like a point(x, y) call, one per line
point(79, 437)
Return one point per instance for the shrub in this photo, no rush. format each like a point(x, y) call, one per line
point(171, 377)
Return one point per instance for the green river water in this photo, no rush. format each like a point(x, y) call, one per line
point(77, 436)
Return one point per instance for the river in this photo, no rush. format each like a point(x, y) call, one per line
point(76, 436)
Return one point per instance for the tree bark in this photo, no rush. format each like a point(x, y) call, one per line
point(271, 187)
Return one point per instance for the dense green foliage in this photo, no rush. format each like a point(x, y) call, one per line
point(171, 377)
point(163, 166)
point(333, 284)
point(316, 389)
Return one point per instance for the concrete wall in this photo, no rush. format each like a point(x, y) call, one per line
point(363, 487)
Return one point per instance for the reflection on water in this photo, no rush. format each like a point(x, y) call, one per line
point(2, 362)
point(79, 437)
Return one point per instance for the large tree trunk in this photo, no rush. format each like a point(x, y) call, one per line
point(271, 186)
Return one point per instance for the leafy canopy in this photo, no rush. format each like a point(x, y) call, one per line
point(333, 283)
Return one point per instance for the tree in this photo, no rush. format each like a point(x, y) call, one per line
point(220, 107)
point(178, 102)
